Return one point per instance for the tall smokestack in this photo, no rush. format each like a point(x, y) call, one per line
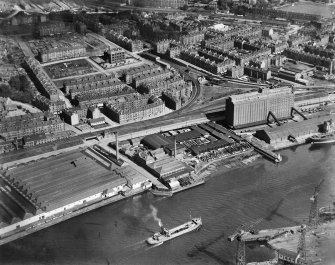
point(175, 146)
point(117, 145)
point(16, 144)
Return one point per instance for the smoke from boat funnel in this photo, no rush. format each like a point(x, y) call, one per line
point(154, 215)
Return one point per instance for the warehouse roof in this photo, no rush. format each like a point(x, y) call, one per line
point(57, 181)
point(185, 136)
point(296, 128)
point(203, 132)
point(198, 149)
point(167, 167)
point(307, 96)
point(288, 253)
point(156, 141)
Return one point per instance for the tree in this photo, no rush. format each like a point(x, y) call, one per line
point(18, 89)
point(4, 90)
point(19, 83)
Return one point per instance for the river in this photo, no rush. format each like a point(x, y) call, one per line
point(311, 8)
point(115, 234)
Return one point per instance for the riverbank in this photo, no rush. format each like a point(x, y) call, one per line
point(42, 224)
point(287, 143)
point(225, 165)
point(310, 8)
point(277, 193)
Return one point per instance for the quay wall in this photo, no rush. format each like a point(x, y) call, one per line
point(38, 224)
point(48, 214)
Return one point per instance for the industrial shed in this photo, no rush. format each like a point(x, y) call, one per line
point(169, 168)
point(155, 141)
point(225, 131)
point(203, 132)
point(185, 136)
point(206, 128)
point(170, 149)
point(292, 129)
point(13, 206)
point(198, 149)
point(134, 178)
point(62, 180)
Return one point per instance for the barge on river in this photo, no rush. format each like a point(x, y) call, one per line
point(168, 234)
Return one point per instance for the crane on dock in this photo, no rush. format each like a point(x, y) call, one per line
point(301, 250)
point(313, 220)
point(238, 234)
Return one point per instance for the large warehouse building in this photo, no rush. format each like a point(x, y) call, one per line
point(293, 130)
point(53, 188)
point(254, 108)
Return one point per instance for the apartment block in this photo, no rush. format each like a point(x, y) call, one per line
point(310, 58)
point(134, 72)
point(116, 55)
point(135, 110)
point(151, 77)
point(28, 124)
point(124, 42)
point(61, 53)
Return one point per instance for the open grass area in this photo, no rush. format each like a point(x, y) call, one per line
point(69, 68)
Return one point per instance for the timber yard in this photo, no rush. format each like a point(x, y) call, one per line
point(106, 102)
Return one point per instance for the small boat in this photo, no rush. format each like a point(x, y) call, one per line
point(168, 234)
point(327, 136)
point(162, 192)
point(323, 139)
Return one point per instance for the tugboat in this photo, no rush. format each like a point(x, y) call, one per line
point(168, 234)
point(328, 135)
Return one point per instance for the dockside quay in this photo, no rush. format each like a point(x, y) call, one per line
point(38, 194)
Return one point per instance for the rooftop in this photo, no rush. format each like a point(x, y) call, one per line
point(263, 93)
point(57, 181)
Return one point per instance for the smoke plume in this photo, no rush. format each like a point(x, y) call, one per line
point(154, 215)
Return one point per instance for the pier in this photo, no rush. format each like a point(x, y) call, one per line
point(268, 234)
point(265, 152)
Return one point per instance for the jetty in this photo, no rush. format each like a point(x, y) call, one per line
point(268, 234)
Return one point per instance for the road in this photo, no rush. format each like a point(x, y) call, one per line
point(62, 97)
point(24, 47)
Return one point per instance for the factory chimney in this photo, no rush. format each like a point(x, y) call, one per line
point(175, 147)
point(117, 145)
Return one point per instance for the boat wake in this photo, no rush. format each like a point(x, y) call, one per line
point(133, 250)
point(136, 245)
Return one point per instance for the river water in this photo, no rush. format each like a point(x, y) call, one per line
point(307, 7)
point(115, 234)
